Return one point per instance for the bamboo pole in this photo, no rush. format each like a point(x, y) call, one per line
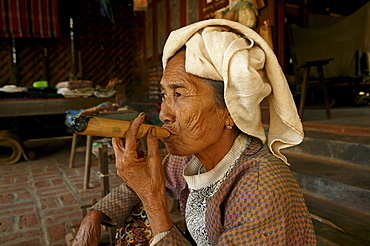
point(103, 127)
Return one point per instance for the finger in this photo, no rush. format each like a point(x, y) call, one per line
point(118, 145)
point(119, 142)
point(131, 133)
point(152, 142)
point(138, 145)
point(118, 149)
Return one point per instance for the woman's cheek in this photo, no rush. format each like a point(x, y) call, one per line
point(190, 121)
point(191, 117)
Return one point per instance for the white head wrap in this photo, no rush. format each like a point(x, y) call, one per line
point(228, 51)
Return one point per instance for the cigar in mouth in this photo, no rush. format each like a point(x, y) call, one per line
point(103, 127)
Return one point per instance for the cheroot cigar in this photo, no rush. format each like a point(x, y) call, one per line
point(102, 127)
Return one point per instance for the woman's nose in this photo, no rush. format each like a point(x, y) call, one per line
point(166, 114)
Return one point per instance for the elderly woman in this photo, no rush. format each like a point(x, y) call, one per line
point(232, 189)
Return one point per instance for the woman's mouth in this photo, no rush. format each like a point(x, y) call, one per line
point(170, 136)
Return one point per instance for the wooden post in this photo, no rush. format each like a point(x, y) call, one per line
point(103, 169)
point(88, 161)
point(73, 150)
point(14, 74)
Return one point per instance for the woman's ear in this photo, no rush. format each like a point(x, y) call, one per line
point(228, 120)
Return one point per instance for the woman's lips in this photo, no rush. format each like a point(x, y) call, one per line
point(171, 134)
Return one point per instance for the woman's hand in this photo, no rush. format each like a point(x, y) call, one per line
point(90, 229)
point(144, 175)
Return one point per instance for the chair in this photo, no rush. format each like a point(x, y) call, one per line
point(306, 55)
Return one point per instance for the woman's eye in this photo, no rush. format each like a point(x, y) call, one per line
point(175, 95)
point(163, 96)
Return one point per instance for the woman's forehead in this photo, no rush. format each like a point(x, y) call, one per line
point(179, 78)
point(175, 75)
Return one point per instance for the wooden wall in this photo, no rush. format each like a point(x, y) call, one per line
point(103, 50)
point(155, 24)
point(130, 49)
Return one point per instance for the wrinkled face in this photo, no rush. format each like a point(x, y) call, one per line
point(189, 110)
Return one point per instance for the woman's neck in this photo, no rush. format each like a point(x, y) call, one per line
point(211, 156)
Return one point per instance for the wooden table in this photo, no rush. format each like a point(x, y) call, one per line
point(16, 115)
point(45, 106)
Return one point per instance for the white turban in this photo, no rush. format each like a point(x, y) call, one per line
point(228, 51)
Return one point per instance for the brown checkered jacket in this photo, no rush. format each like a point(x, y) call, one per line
point(259, 203)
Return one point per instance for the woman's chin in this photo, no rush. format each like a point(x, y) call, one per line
point(176, 151)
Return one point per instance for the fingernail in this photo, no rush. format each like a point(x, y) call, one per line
point(141, 114)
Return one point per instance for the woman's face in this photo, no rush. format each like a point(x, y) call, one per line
point(189, 111)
